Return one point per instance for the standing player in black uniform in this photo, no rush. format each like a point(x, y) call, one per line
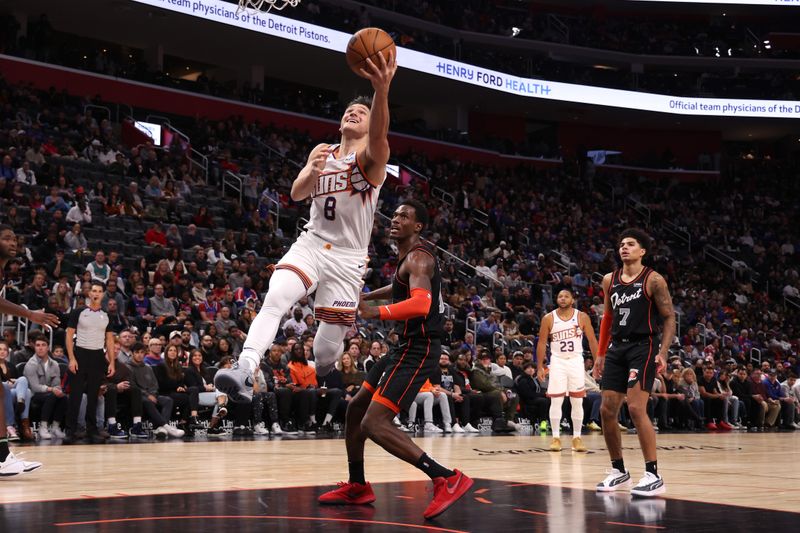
point(393, 382)
point(9, 464)
point(635, 297)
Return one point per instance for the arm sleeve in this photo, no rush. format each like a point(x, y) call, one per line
point(605, 334)
point(72, 321)
point(417, 306)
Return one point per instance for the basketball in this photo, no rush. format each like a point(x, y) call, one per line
point(367, 43)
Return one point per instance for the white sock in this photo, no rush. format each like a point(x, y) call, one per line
point(137, 419)
point(555, 415)
point(577, 415)
point(328, 419)
point(328, 346)
point(285, 288)
point(112, 421)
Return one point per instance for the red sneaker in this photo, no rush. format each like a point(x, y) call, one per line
point(711, 426)
point(446, 491)
point(725, 426)
point(348, 494)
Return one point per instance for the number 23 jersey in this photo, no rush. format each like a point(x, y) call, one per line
point(343, 203)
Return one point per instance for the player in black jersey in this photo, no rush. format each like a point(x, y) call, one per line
point(9, 464)
point(636, 300)
point(393, 382)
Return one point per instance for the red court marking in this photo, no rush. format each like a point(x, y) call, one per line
point(404, 497)
point(635, 525)
point(482, 500)
point(481, 491)
point(89, 496)
point(537, 513)
point(527, 485)
point(121, 494)
point(256, 517)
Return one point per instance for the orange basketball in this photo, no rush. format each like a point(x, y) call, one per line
point(367, 43)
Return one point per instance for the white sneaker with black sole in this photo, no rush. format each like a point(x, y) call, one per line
point(650, 485)
point(615, 480)
point(11, 466)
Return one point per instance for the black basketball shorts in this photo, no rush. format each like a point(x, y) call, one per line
point(397, 377)
point(629, 363)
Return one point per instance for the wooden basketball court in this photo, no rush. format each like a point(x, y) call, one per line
point(255, 484)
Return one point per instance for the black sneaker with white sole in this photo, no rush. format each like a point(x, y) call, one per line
point(650, 485)
point(615, 480)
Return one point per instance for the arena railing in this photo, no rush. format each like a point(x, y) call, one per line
point(195, 158)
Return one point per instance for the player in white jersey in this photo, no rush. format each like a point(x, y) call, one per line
point(343, 181)
point(564, 329)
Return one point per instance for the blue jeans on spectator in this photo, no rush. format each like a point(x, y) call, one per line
point(698, 407)
point(18, 392)
point(100, 413)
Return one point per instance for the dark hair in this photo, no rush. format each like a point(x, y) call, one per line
point(638, 235)
point(420, 211)
point(137, 347)
point(98, 283)
point(6, 227)
point(526, 366)
point(225, 360)
point(792, 375)
point(362, 100)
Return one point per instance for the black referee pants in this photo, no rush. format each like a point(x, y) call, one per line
point(92, 368)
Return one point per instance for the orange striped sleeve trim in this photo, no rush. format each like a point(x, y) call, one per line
point(369, 387)
point(385, 402)
point(303, 276)
point(365, 175)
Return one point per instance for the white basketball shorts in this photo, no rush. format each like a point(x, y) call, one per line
point(335, 273)
point(566, 377)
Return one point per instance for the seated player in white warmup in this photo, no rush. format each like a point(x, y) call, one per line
point(330, 257)
point(564, 329)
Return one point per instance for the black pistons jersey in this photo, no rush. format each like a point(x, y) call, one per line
point(635, 313)
point(432, 324)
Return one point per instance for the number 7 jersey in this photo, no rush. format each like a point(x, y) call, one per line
point(635, 314)
point(343, 203)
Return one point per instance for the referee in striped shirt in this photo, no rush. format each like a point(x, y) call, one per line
point(88, 332)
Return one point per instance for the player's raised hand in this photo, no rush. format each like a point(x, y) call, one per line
point(380, 74)
point(44, 319)
point(317, 158)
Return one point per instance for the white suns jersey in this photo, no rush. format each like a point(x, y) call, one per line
point(343, 204)
point(566, 336)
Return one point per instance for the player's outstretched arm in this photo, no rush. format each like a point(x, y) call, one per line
point(306, 180)
point(378, 294)
point(376, 155)
point(420, 268)
point(39, 317)
point(657, 286)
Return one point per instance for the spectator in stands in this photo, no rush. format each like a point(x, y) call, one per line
point(533, 395)
point(26, 175)
point(305, 379)
point(752, 413)
point(202, 219)
point(713, 400)
point(770, 407)
point(44, 379)
point(155, 235)
point(55, 201)
point(209, 350)
point(160, 305)
point(191, 238)
point(265, 397)
point(209, 308)
point(158, 408)
point(297, 323)
point(18, 395)
point(172, 382)
point(224, 322)
point(35, 296)
point(777, 396)
point(75, 240)
point(689, 388)
point(98, 268)
point(284, 390)
point(483, 380)
point(791, 389)
point(153, 357)
point(80, 213)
